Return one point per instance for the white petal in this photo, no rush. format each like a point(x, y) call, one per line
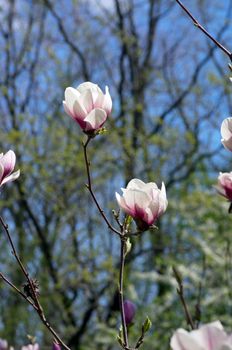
point(98, 99)
point(210, 336)
point(138, 198)
point(86, 100)
point(67, 110)
point(107, 105)
point(88, 86)
point(226, 128)
point(71, 95)
point(122, 203)
point(95, 119)
point(135, 184)
point(182, 340)
point(163, 202)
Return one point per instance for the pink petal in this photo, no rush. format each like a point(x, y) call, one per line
point(1, 173)
point(8, 162)
point(137, 201)
point(11, 177)
point(227, 143)
point(79, 111)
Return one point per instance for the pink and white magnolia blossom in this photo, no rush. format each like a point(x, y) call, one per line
point(210, 336)
point(224, 186)
point(143, 201)
point(226, 133)
point(3, 344)
point(88, 105)
point(7, 164)
point(31, 347)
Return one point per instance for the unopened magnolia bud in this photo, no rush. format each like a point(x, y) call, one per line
point(56, 346)
point(28, 290)
point(129, 311)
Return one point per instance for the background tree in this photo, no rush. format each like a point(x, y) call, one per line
point(170, 91)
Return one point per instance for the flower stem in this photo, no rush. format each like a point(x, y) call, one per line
point(121, 299)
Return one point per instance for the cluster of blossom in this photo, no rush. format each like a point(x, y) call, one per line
point(144, 202)
point(89, 107)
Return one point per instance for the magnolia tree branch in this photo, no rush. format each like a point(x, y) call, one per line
point(198, 25)
point(31, 286)
point(123, 237)
point(180, 291)
point(89, 187)
point(13, 286)
point(121, 297)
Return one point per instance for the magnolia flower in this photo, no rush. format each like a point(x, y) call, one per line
point(7, 164)
point(224, 186)
point(226, 133)
point(31, 347)
point(3, 344)
point(144, 202)
point(129, 311)
point(56, 346)
point(88, 105)
point(209, 337)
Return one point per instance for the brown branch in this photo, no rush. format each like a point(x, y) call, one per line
point(89, 187)
point(121, 297)
point(198, 25)
point(13, 286)
point(67, 39)
point(37, 306)
point(180, 291)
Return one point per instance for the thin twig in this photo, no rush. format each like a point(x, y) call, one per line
point(89, 186)
point(37, 306)
point(180, 291)
point(198, 25)
point(13, 286)
point(121, 297)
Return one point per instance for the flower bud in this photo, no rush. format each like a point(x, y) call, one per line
point(129, 311)
point(7, 164)
point(88, 106)
point(224, 186)
point(210, 336)
point(143, 201)
point(226, 133)
point(56, 346)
